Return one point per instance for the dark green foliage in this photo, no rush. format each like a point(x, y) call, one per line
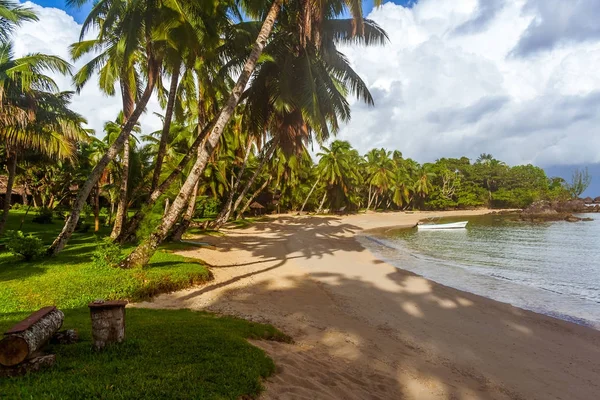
point(43, 216)
point(27, 246)
point(174, 354)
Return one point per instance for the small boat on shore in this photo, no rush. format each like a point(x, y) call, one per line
point(452, 225)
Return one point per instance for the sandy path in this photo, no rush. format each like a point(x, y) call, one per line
point(366, 330)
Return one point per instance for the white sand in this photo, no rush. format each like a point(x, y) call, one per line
point(367, 330)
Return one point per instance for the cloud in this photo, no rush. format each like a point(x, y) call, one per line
point(558, 22)
point(447, 85)
point(485, 14)
point(53, 34)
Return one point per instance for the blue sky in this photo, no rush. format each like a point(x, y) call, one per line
point(79, 14)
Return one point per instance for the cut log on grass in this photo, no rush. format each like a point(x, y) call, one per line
point(31, 365)
point(24, 339)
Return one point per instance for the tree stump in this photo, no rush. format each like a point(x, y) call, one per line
point(25, 338)
point(108, 322)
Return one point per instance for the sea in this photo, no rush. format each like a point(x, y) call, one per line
point(551, 268)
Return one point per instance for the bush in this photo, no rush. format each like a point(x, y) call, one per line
point(43, 216)
point(16, 206)
point(107, 254)
point(28, 247)
point(87, 211)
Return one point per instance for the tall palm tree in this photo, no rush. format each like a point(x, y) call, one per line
point(127, 26)
point(323, 11)
point(423, 183)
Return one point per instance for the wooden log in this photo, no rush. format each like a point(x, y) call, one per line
point(68, 336)
point(24, 339)
point(31, 365)
point(108, 322)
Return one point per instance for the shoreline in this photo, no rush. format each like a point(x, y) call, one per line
point(376, 235)
point(366, 329)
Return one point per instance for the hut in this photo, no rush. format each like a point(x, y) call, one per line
point(588, 200)
point(257, 208)
point(597, 200)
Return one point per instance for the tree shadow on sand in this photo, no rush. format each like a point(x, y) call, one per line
point(399, 337)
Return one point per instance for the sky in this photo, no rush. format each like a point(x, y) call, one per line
point(515, 78)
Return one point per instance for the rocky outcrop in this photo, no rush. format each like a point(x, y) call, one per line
point(541, 211)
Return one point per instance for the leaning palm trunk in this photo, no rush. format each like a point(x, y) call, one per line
point(187, 216)
point(312, 189)
point(249, 184)
point(97, 209)
point(122, 207)
point(12, 172)
point(322, 202)
point(164, 136)
point(254, 195)
point(64, 236)
point(128, 234)
point(227, 208)
point(141, 255)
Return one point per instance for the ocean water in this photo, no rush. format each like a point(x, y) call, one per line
point(551, 268)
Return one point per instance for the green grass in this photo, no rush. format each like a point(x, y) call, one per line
point(168, 354)
point(72, 280)
point(177, 354)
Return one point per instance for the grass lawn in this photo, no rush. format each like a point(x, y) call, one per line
point(168, 354)
point(72, 280)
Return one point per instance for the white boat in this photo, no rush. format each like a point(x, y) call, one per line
point(452, 225)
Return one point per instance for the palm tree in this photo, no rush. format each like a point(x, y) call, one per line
point(423, 185)
point(336, 168)
point(34, 113)
point(327, 10)
point(380, 175)
point(125, 28)
point(12, 14)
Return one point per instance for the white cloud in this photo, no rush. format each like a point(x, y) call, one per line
point(450, 83)
point(507, 77)
point(53, 34)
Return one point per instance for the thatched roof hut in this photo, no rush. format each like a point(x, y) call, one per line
point(588, 200)
point(257, 208)
point(597, 200)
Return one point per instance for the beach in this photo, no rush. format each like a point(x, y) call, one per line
point(364, 329)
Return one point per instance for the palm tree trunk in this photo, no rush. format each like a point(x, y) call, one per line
point(24, 194)
point(142, 254)
point(69, 227)
point(312, 189)
point(370, 197)
point(166, 206)
point(250, 182)
point(164, 136)
point(254, 195)
point(322, 202)
point(128, 99)
point(12, 172)
point(97, 209)
point(187, 216)
point(128, 234)
point(227, 208)
point(122, 206)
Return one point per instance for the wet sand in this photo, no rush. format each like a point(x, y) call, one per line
point(364, 329)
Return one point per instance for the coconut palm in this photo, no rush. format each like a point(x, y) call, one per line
point(380, 174)
point(125, 33)
point(12, 14)
point(321, 11)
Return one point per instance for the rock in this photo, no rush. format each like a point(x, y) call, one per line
point(572, 218)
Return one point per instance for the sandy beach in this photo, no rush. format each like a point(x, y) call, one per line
point(364, 329)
